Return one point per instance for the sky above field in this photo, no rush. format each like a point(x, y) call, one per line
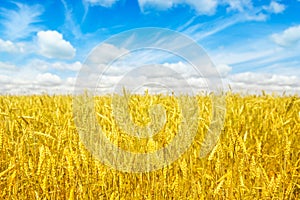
point(254, 45)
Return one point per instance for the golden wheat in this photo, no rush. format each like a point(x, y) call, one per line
point(257, 155)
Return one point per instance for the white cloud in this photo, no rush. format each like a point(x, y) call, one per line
point(7, 46)
point(76, 66)
point(7, 66)
point(187, 71)
point(34, 77)
point(48, 79)
point(70, 23)
point(265, 79)
point(200, 31)
point(36, 83)
point(209, 7)
point(105, 53)
point(256, 82)
point(253, 82)
point(52, 45)
point(42, 65)
point(70, 81)
point(4, 79)
point(235, 55)
point(288, 37)
point(240, 6)
point(183, 68)
point(223, 69)
point(259, 17)
point(103, 3)
point(22, 22)
point(275, 7)
point(204, 7)
point(156, 3)
point(11, 47)
point(179, 76)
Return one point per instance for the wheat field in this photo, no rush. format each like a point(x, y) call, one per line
point(257, 155)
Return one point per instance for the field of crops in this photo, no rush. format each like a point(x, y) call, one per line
point(257, 155)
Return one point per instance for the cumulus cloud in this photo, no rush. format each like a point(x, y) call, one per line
point(40, 83)
point(103, 3)
point(224, 69)
point(38, 76)
point(70, 81)
point(251, 82)
point(275, 7)
point(52, 45)
point(10, 47)
point(186, 70)
point(288, 37)
point(240, 6)
point(179, 76)
point(48, 79)
point(105, 53)
point(76, 66)
point(265, 79)
point(205, 7)
point(255, 82)
point(156, 3)
point(180, 67)
point(7, 46)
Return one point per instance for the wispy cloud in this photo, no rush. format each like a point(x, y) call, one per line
point(70, 25)
point(21, 22)
point(103, 3)
point(203, 30)
point(202, 7)
point(238, 12)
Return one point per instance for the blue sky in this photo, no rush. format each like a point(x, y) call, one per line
point(254, 44)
